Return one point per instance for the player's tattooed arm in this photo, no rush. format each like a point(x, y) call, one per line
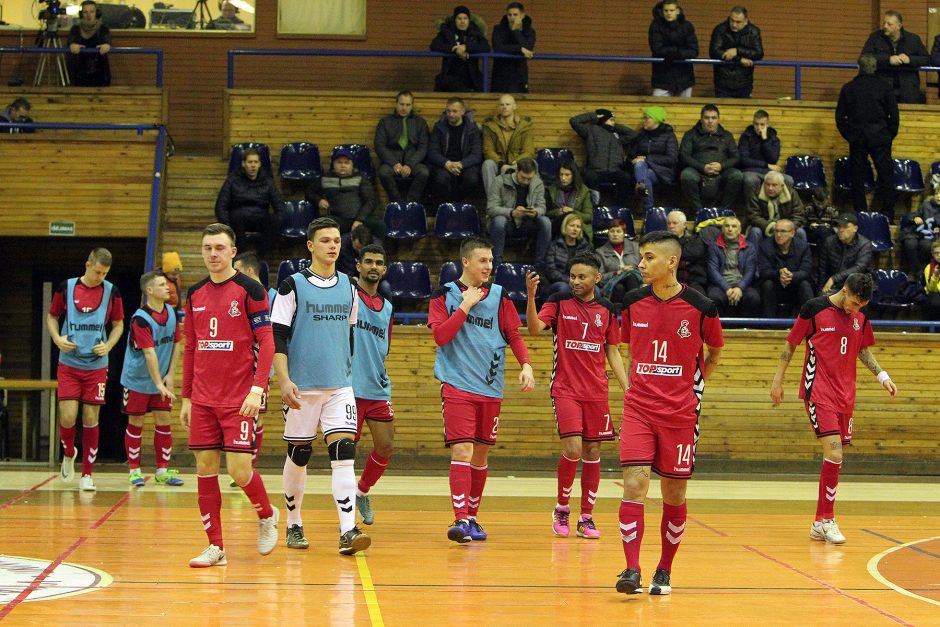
point(776, 386)
point(869, 360)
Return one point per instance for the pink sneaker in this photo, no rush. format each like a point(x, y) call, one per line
point(586, 529)
point(560, 521)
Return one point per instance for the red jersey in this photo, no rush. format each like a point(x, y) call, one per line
point(666, 339)
point(87, 299)
point(141, 335)
point(223, 321)
point(833, 341)
point(581, 330)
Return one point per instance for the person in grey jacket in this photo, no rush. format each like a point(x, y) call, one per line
point(842, 254)
point(605, 142)
point(401, 142)
point(708, 155)
point(515, 206)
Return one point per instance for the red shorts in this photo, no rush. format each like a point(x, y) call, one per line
point(137, 404)
point(589, 419)
point(827, 422)
point(669, 450)
point(87, 386)
point(469, 419)
point(372, 410)
point(221, 428)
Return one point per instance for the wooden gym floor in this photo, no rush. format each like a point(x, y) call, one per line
point(119, 557)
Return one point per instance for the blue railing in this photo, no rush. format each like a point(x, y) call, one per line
point(797, 66)
point(157, 52)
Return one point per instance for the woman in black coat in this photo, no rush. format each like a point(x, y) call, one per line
point(461, 35)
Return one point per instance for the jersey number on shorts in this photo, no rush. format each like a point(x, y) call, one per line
point(685, 454)
point(101, 387)
point(351, 414)
point(244, 429)
point(659, 352)
point(495, 426)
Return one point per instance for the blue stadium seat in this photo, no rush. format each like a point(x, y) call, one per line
point(456, 221)
point(548, 160)
point(888, 294)
point(934, 172)
point(710, 213)
point(602, 217)
point(450, 271)
point(236, 157)
point(843, 176)
point(511, 276)
point(807, 171)
point(299, 161)
point(291, 266)
point(655, 219)
point(362, 160)
point(409, 279)
point(405, 221)
point(907, 176)
point(296, 215)
point(876, 227)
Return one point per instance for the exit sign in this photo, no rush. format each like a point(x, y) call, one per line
point(62, 228)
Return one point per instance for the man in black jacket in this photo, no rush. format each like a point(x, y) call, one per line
point(784, 270)
point(401, 142)
point(708, 155)
point(867, 117)
point(347, 194)
point(17, 113)
point(842, 254)
point(248, 201)
point(738, 42)
point(692, 262)
point(513, 35)
point(673, 38)
point(605, 141)
point(900, 54)
point(460, 35)
point(455, 154)
point(89, 70)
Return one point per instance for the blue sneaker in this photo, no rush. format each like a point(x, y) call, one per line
point(459, 532)
point(170, 477)
point(476, 531)
point(136, 479)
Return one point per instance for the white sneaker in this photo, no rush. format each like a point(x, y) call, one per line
point(68, 466)
point(211, 556)
point(267, 532)
point(86, 483)
point(827, 531)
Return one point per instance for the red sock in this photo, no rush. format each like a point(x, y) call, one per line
point(477, 483)
point(828, 482)
point(567, 469)
point(459, 488)
point(375, 466)
point(258, 496)
point(671, 529)
point(132, 446)
point(590, 480)
point(210, 507)
point(89, 449)
point(259, 438)
point(163, 445)
point(631, 531)
point(67, 435)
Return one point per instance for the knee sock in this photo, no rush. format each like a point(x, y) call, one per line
point(828, 482)
point(344, 492)
point(295, 480)
point(567, 469)
point(67, 435)
point(477, 483)
point(671, 529)
point(375, 467)
point(89, 448)
point(210, 507)
point(631, 531)
point(132, 446)
point(590, 480)
point(163, 445)
point(459, 488)
point(258, 496)
point(259, 438)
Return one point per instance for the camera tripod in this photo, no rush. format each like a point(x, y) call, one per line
point(202, 8)
point(49, 38)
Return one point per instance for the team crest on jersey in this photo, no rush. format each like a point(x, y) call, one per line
point(597, 320)
point(233, 309)
point(855, 324)
point(684, 329)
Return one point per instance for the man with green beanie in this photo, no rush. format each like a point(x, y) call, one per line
point(654, 153)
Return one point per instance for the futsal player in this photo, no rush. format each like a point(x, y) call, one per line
point(472, 321)
point(836, 333)
point(371, 384)
point(224, 382)
point(315, 311)
point(153, 351)
point(667, 326)
point(81, 310)
point(586, 331)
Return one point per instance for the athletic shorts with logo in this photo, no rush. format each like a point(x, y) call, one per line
point(214, 428)
point(825, 422)
point(469, 417)
point(588, 419)
point(369, 409)
point(87, 386)
point(138, 404)
point(668, 449)
point(332, 411)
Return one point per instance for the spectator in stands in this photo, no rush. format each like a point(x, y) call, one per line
point(772, 201)
point(249, 202)
point(17, 113)
point(89, 70)
point(673, 38)
point(513, 35)
point(569, 243)
point(507, 137)
point(935, 56)
point(455, 153)
point(654, 153)
point(401, 142)
point(899, 53)
point(605, 141)
point(172, 267)
point(785, 268)
point(619, 260)
point(350, 246)
point(709, 158)
point(738, 42)
point(867, 117)
point(759, 148)
point(931, 279)
point(842, 254)
point(569, 194)
point(460, 35)
point(228, 19)
point(820, 217)
point(919, 232)
point(515, 206)
point(694, 259)
point(732, 271)
point(346, 195)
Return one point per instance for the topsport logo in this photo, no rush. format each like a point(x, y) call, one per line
point(659, 370)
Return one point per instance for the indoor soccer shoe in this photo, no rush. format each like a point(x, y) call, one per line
point(68, 466)
point(267, 532)
point(86, 483)
point(560, 524)
point(629, 582)
point(587, 529)
point(459, 532)
point(353, 541)
point(364, 505)
point(136, 479)
point(170, 477)
point(661, 583)
point(296, 538)
point(827, 531)
point(211, 556)
point(476, 531)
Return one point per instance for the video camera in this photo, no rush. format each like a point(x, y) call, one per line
point(52, 10)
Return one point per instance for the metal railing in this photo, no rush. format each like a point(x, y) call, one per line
point(157, 52)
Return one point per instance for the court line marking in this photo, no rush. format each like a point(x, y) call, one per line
point(906, 544)
point(368, 589)
point(115, 508)
point(26, 493)
point(876, 574)
point(831, 587)
point(6, 609)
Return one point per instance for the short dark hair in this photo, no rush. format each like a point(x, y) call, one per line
point(217, 228)
point(586, 259)
point(404, 92)
point(710, 107)
point(760, 114)
point(100, 255)
point(740, 10)
point(860, 284)
point(21, 103)
point(515, 5)
point(148, 277)
point(469, 244)
point(362, 234)
point(897, 14)
point(456, 100)
point(867, 63)
point(248, 152)
point(527, 165)
point(660, 237)
point(91, 2)
point(375, 249)
point(318, 224)
point(248, 260)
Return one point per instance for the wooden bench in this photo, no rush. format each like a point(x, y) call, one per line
point(86, 105)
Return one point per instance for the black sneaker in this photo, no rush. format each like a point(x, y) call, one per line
point(660, 583)
point(353, 541)
point(629, 582)
point(295, 538)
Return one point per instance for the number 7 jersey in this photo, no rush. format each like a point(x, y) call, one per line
point(666, 339)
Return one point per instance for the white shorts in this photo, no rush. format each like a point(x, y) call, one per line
point(333, 410)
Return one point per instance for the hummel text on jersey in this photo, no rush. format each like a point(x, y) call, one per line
point(328, 312)
point(566, 317)
point(378, 332)
point(827, 329)
point(642, 325)
point(659, 370)
point(578, 345)
point(73, 326)
point(216, 345)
